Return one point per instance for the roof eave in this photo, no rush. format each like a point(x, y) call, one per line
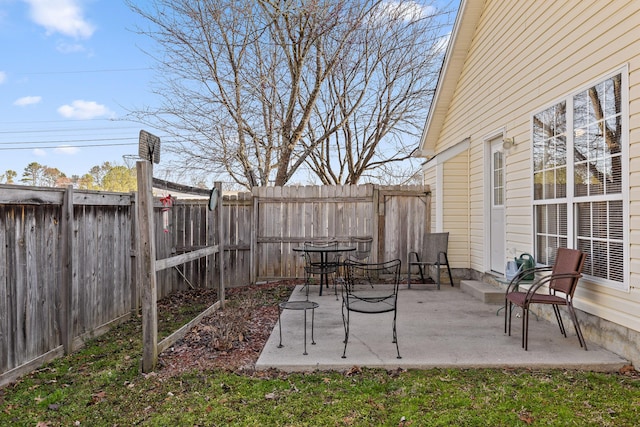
point(454, 59)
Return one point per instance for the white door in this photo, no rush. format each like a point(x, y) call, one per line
point(497, 190)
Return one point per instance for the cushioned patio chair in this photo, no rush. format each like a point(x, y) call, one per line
point(370, 288)
point(433, 254)
point(561, 284)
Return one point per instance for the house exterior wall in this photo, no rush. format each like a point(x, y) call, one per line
point(455, 219)
point(525, 56)
point(455, 197)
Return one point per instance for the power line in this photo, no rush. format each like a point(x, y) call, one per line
point(67, 141)
point(68, 146)
point(65, 129)
point(106, 70)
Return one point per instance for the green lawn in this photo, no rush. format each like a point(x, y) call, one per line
point(101, 385)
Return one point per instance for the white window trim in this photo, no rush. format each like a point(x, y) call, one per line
point(625, 285)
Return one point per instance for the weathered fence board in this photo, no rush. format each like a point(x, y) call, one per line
point(258, 233)
point(59, 289)
point(28, 318)
point(286, 217)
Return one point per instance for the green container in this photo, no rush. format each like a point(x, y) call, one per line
point(526, 261)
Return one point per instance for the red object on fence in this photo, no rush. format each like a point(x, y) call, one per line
point(167, 203)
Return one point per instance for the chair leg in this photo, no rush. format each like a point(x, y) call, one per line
point(448, 268)
point(395, 335)
point(574, 319)
point(420, 272)
point(556, 311)
point(345, 323)
point(506, 304)
point(438, 275)
point(525, 327)
point(306, 286)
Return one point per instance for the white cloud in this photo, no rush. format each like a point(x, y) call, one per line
point(27, 100)
point(84, 110)
point(408, 11)
point(61, 16)
point(442, 44)
point(69, 47)
point(3, 77)
point(66, 149)
point(39, 152)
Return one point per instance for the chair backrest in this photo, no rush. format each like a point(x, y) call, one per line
point(316, 257)
point(568, 261)
point(363, 247)
point(382, 277)
point(434, 245)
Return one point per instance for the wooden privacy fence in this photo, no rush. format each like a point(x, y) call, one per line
point(396, 217)
point(64, 271)
point(68, 257)
point(260, 228)
point(67, 268)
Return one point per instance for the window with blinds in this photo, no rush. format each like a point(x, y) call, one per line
point(578, 170)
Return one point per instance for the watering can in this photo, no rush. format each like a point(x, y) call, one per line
point(511, 270)
point(525, 262)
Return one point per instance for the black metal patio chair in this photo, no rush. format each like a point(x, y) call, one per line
point(363, 248)
point(321, 263)
point(370, 288)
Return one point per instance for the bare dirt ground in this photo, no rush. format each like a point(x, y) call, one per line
point(229, 339)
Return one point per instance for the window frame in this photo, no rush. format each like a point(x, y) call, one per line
point(570, 200)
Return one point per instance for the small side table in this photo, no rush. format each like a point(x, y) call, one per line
point(298, 305)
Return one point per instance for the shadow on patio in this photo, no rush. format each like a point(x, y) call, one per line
point(436, 329)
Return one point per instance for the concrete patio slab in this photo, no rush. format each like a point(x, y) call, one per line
point(436, 329)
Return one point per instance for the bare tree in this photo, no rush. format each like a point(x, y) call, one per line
point(367, 122)
point(255, 89)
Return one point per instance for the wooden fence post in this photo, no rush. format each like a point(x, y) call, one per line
point(253, 245)
point(147, 266)
point(378, 224)
point(221, 228)
point(134, 251)
point(66, 274)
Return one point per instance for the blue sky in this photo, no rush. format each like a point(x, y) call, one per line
point(70, 70)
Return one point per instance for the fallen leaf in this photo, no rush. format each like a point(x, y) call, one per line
point(98, 397)
point(628, 370)
point(353, 371)
point(526, 418)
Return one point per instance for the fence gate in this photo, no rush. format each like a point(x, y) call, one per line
point(403, 219)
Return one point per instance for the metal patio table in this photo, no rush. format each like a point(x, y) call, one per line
point(298, 305)
point(324, 251)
